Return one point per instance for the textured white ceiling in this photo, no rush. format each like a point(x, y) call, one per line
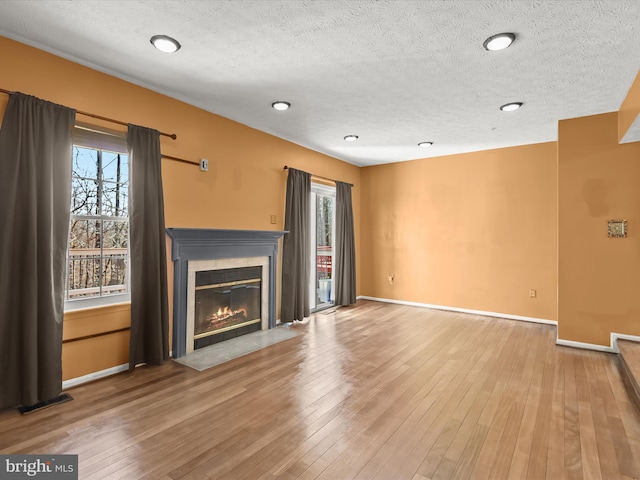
point(395, 73)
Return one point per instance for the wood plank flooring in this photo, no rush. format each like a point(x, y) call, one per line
point(376, 391)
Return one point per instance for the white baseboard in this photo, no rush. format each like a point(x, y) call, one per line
point(621, 336)
point(74, 382)
point(584, 346)
point(611, 348)
point(462, 310)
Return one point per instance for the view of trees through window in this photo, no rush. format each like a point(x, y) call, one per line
point(99, 229)
point(323, 221)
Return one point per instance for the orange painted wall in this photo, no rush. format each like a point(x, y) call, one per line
point(84, 353)
point(475, 230)
point(245, 184)
point(599, 277)
point(630, 108)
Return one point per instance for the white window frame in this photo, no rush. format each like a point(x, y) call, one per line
point(327, 191)
point(88, 136)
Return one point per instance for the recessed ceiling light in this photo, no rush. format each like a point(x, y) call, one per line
point(165, 44)
point(510, 107)
point(499, 41)
point(281, 105)
point(351, 138)
point(425, 144)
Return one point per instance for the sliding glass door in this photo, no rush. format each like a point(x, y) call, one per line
point(323, 201)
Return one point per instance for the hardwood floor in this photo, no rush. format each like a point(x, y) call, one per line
point(377, 391)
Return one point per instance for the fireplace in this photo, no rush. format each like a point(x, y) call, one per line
point(224, 285)
point(227, 304)
point(226, 298)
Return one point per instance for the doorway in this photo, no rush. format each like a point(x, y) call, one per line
point(322, 237)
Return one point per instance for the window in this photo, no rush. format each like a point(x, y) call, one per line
point(98, 251)
point(321, 291)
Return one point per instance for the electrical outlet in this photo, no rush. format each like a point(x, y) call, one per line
point(274, 219)
point(204, 164)
point(391, 278)
point(533, 293)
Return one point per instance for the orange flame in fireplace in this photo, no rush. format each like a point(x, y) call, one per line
point(224, 313)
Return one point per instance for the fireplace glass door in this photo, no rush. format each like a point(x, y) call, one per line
point(227, 304)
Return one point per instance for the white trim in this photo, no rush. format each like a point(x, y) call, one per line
point(621, 336)
point(313, 250)
point(462, 310)
point(611, 348)
point(94, 303)
point(86, 135)
point(584, 346)
point(322, 189)
point(74, 382)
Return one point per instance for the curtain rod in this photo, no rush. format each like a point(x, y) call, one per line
point(286, 167)
point(99, 117)
point(180, 159)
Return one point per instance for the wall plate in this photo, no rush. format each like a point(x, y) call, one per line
point(617, 228)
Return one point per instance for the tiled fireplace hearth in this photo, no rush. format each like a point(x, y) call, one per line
point(201, 253)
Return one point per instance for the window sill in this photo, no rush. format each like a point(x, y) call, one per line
point(95, 303)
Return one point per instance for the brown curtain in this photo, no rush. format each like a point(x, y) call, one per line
point(295, 248)
point(149, 299)
point(35, 198)
point(345, 261)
